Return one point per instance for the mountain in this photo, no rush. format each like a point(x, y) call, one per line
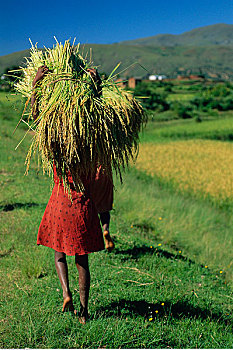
point(216, 34)
point(13, 59)
point(151, 55)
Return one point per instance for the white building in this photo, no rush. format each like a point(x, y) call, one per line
point(157, 77)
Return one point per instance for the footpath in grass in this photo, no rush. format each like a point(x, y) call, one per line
point(145, 294)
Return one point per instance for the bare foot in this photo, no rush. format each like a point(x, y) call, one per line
point(82, 319)
point(83, 316)
point(109, 244)
point(68, 305)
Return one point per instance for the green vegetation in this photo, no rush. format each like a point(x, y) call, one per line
point(153, 99)
point(184, 101)
point(168, 284)
point(218, 129)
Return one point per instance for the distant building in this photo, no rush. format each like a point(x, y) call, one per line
point(196, 77)
point(190, 77)
point(182, 77)
point(121, 83)
point(132, 82)
point(153, 77)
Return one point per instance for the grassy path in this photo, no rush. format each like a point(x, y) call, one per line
point(145, 294)
point(162, 287)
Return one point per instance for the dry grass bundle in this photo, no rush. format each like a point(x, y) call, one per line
point(77, 126)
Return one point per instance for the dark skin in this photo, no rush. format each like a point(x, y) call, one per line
point(81, 261)
point(39, 76)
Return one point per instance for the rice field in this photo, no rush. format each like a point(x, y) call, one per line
point(203, 167)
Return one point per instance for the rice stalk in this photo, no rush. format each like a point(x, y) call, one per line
point(78, 127)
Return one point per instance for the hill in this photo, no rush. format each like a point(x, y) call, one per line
point(187, 53)
point(216, 34)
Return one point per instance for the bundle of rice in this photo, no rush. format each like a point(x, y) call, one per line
point(78, 127)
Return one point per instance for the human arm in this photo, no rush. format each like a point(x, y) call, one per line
point(39, 76)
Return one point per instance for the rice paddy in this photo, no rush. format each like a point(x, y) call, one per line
point(203, 167)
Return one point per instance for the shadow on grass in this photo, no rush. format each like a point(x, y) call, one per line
point(10, 207)
point(150, 311)
point(137, 252)
point(8, 252)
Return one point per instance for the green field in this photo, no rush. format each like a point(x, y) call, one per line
point(218, 129)
point(168, 283)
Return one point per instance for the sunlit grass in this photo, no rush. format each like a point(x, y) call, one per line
point(180, 97)
point(218, 129)
point(167, 284)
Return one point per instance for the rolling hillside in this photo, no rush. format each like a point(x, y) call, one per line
point(207, 50)
point(216, 34)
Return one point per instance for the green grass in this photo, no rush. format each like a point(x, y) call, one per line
point(218, 129)
point(180, 97)
point(155, 262)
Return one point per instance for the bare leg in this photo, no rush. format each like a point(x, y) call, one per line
point(62, 271)
point(105, 220)
point(81, 262)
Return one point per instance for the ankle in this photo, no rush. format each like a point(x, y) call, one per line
point(67, 293)
point(106, 233)
point(83, 311)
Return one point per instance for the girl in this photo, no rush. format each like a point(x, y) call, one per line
point(73, 227)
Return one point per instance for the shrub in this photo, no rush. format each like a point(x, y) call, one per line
point(183, 110)
point(153, 100)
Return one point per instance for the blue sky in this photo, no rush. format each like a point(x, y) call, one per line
point(103, 21)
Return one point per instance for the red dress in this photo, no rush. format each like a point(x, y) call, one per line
point(71, 227)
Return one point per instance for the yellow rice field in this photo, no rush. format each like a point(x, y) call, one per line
point(204, 167)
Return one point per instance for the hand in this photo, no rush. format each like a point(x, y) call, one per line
point(40, 74)
point(92, 72)
point(96, 78)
